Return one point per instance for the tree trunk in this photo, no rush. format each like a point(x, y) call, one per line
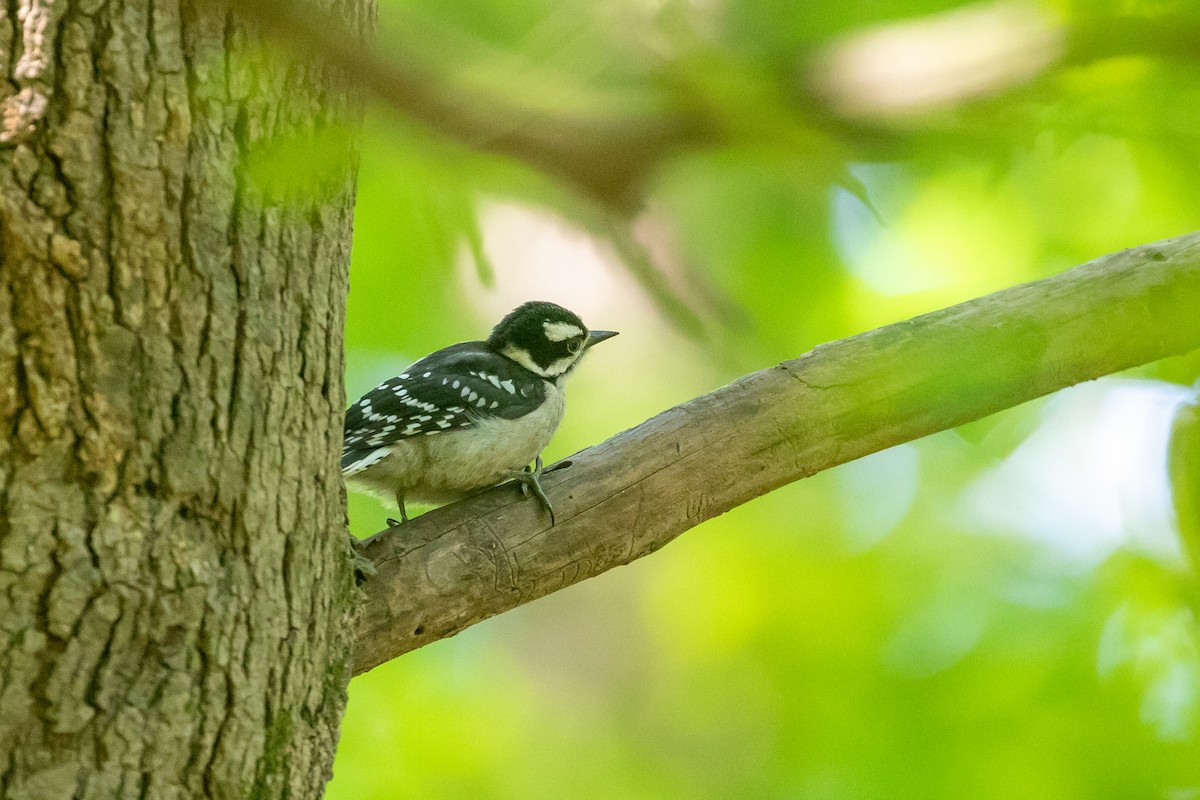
point(174, 581)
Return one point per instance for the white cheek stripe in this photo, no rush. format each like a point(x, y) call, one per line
point(560, 366)
point(556, 368)
point(522, 357)
point(558, 331)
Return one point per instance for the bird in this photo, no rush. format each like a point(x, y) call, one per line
point(469, 416)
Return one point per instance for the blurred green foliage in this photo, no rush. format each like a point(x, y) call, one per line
point(1001, 611)
point(1183, 459)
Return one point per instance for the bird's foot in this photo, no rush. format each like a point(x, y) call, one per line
point(391, 523)
point(530, 484)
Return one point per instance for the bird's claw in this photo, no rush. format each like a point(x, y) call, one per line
point(530, 484)
point(391, 523)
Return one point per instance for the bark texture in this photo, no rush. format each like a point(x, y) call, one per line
point(174, 583)
point(627, 497)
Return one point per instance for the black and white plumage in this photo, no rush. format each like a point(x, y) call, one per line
point(468, 416)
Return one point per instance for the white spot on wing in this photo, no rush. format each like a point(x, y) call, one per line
point(369, 460)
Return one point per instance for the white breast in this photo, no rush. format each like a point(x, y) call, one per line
point(482, 456)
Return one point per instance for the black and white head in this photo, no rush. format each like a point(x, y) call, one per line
point(544, 338)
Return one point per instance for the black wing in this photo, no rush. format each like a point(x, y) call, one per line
point(445, 391)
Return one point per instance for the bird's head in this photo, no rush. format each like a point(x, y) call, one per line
point(546, 339)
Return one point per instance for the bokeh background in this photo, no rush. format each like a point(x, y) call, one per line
point(1000, 611)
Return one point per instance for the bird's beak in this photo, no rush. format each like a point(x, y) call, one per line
point(596, 337)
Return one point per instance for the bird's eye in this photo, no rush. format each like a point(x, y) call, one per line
point(575, 345)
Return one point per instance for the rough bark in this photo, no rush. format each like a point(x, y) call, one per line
point(627, 497)
point(173, 575)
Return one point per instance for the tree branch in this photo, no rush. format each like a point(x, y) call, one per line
point(606, 150)
point(601, 151)
point(626, 498)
